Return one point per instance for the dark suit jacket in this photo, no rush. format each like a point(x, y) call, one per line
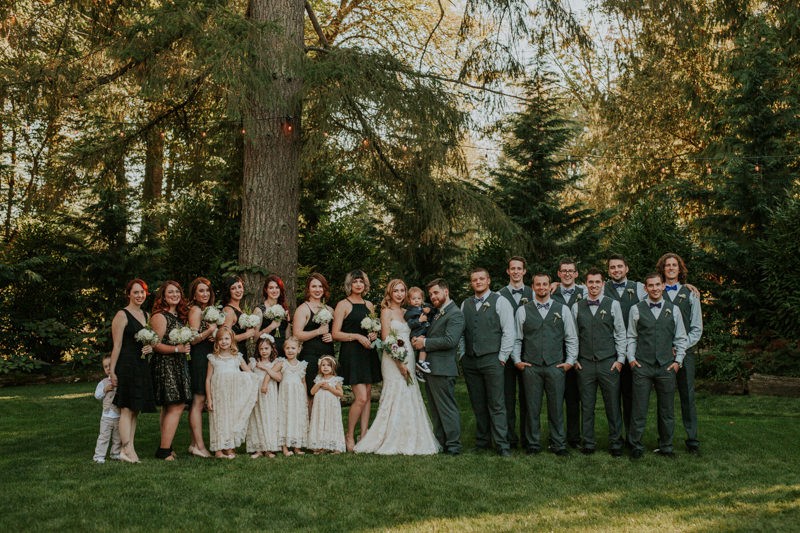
point(441, 344)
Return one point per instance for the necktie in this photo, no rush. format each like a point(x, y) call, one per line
point(543, 306)
point(594, 302)
point(568, 292)
point(620, 285)
point(655, 305)
point(671, 288)
point(516, 291)
point(477, 300)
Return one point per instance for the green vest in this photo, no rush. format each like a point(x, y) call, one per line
point(596, 332)
point(482, 333)
point(527, 296)
point(628, 299)
point(543, 338)
point(655, 337)
point(576, 297)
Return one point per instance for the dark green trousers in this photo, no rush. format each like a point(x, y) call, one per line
point(539, 380)
point(485, 378)
point(686, 393)
point(645, 378)
point(592, 375)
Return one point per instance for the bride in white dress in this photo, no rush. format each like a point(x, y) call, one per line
point(402, 425)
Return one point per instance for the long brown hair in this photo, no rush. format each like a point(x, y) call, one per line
point(682, 270)
point(160, 304)
point(193, 289)
point(326, 288)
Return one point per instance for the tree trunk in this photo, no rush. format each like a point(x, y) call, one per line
point(271, 167)
point(153, 180)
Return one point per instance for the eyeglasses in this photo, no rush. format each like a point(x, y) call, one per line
point(568, 271)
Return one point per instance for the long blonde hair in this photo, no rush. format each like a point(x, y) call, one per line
point(225, 329)
point(387, 294)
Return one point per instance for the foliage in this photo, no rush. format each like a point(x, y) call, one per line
point(18, 363)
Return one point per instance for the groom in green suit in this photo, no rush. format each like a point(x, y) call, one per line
point(441, 344)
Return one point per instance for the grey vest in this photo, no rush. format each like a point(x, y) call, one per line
point(682, 302)
point(527, 294)
point(628, 299)
point(596, 332)
point(655, 337)
point(482, 333)
point(576, 297)
point(543, 338)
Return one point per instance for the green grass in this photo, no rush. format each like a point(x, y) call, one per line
point(748, 479)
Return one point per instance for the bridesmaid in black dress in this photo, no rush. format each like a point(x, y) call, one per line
point(171, 382)
point(201, 296)
point(130, 373)
point(233, 292)
point(317, 339)
point(359, 364)
point(274, 293)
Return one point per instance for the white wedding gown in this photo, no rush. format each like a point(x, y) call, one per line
point(402, 425)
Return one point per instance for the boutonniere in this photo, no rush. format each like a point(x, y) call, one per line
point(630, 293)
point(439, 315)
point(681, 297)
point(485, 306)
point(602, 313)
point(668, 311)
point(523, 301)
point(557, 318)
point(578, 297)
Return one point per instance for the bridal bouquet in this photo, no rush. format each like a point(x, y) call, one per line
point(213, 315)
point(372, 324)
point(147, 337)
point(395, 347)
point(323, 316)
point(247, 321)
point(276, 313)
point(182, 335)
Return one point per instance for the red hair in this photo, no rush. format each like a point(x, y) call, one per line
point(325, 287)
point(193, 289)
point(160, 304)
point(279, 282)
point(134, 281)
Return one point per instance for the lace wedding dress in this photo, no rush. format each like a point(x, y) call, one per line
point(402, 425)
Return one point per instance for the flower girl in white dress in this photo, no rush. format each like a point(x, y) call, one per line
point(292, 400)
point(230, 395)
point(262, 431)
point(326, 432)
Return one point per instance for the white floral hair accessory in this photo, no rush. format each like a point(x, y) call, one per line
point(269, 337)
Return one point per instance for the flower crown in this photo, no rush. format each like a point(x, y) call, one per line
point(268, 337)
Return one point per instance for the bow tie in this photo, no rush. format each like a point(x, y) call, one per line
point(656, 305)
point(543, 306)
point(516, 291)
point(620, 285)
point(477, 300)
point(594, 302)
point(568, 291)
point(671, 288)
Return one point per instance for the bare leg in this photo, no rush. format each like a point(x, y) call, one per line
point(196, 425)
point(170, 417)
point(134, 421)
point(354, 415)
point(366, 411)
point(126, 440)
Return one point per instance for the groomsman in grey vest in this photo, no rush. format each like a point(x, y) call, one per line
point(602, 340)
point(547, 329)
point(489, 334)
point(568, 293)
point(673, 271)
point(517, 294)
point(656, 349)
point(627, 293)
point(441, 344)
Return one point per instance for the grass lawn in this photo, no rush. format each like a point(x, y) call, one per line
point(748, 479)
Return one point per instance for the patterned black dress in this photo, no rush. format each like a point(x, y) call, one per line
point(198, 365)
point(171, 381)
point(279, 334)
point(313, 350)
point(134, 383)
point(357, 364)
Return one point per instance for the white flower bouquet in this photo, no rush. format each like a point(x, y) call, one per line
point(276, 313)
point(247, 321)
point(147, 336)
point(371, 324)
point(182, 335)
point(213, 315)
point(395, 347)
point(323, 316)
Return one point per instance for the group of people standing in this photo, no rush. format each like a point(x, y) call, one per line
point(563, 340)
